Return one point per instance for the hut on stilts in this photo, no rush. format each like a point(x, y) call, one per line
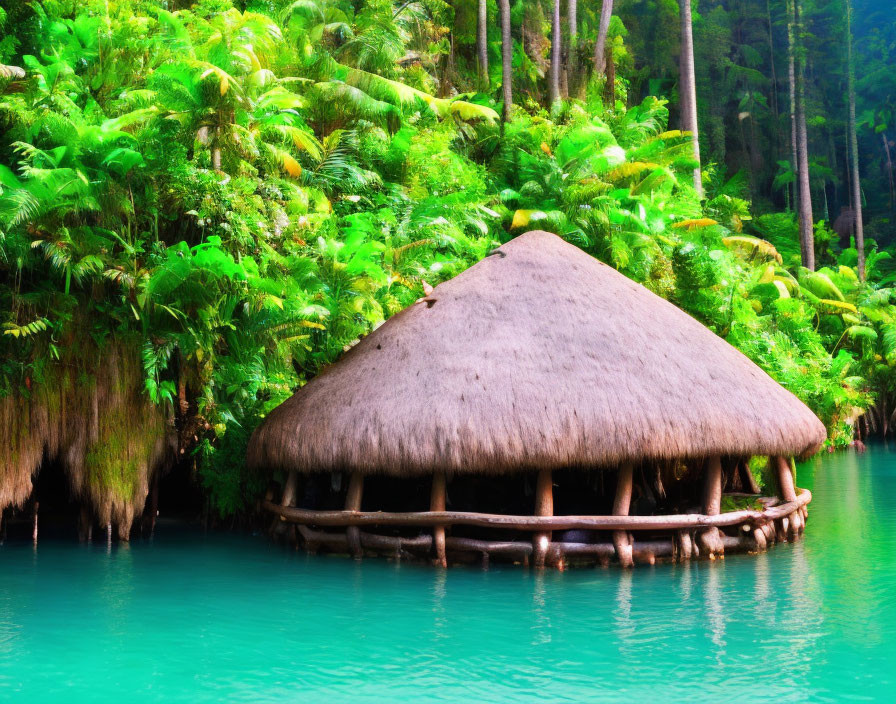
point(543, 409)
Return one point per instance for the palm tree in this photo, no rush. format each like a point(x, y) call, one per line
point(688, 86)
point(854, 145)
point(556, 42)
point(600, 47)
point(482, 45)
point(506, 59)
point(572, 11)
point(807, 239)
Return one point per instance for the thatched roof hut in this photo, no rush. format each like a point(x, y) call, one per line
point(538, 356)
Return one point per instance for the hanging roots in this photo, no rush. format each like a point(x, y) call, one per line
point(90, 415)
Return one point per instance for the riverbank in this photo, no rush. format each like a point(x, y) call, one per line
point(193, 618)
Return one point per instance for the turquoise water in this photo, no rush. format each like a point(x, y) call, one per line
point(190, 618)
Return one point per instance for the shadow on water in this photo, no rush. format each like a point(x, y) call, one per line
point(197, 618)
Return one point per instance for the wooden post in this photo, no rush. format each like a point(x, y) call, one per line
point(544, 506)
point(621, 505)
point(353, 503)
point(748, 481)
point(685, 547)
point(34, 529)
point(109, 534)
point(712, 505)
point(289, 489)
point(759, 538)
point(437, 503)
point(788, 493)
point(287, 499)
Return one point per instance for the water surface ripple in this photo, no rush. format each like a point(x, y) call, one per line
point(193, 618)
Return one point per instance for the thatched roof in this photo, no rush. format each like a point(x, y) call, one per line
point(537, 356)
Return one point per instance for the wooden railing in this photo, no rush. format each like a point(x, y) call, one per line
point(757, 529)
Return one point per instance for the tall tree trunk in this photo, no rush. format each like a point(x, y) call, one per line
point(889, 170)
point(600, 47)
point(791, 77)
point(572, 77)
point(854, 144)
point(482, 45)
point(556, 41)
point(807, 238)
point(610, 85)
point(506, 59)
point(689, 89)
point(771, 51)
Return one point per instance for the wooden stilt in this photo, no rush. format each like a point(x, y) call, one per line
point(437, 503)
point(544, 506)
point(787, 494)
point(289, 489)
point(710, 539)
point(353, 503)
point(685, 546)
point(34, 529)
point(748, 481)
point(109, 535)
point(621, 505)
point(759, 538)
point(288, 498)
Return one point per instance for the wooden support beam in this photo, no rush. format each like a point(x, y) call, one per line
point(794, 525)
point(710, 539)
point(289, 489)
point(685, 545)
point(437, 503)
point(287, 499)
point(353, 503)
point(621, 504)
point(544, 506)
point(747, 480)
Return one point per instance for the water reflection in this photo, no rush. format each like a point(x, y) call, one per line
point(229, 618)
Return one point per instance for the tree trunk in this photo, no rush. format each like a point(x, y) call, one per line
point(854, 145)
point(807, 237)
point(556, 41)
point(771, 50)
point(791, 78)
point(689, 89)
point(506, 59)
point(610, 85)
point(600, 47)
point(482, 45)
point(572, 78)
point(889, 170)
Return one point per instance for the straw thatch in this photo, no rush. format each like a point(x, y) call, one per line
point(539, 356)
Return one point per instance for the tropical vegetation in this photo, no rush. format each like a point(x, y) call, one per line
point(222, 196)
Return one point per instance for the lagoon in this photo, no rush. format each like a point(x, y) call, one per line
point(193, 617)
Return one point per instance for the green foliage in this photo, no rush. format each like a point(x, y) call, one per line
point(244, 193)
